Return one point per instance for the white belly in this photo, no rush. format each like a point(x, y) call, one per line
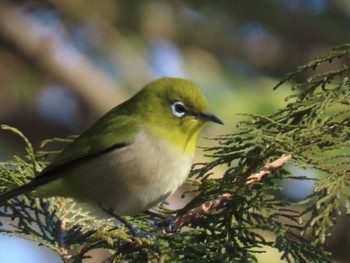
point(132, 179)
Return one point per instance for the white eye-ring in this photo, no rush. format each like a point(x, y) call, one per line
point(178, 109)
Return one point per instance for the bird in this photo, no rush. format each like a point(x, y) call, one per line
point(134, 156)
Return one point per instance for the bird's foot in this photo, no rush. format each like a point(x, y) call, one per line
point(166, 224)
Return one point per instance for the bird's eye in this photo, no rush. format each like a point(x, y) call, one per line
point(178, 109)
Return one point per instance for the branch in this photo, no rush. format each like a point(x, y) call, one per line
point(267, 168)
point(73, 68)
point(116, 46)
point(206, 207)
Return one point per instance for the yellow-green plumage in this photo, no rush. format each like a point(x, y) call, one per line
point(134, 156)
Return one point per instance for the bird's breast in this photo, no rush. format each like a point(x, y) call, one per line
point(134, 178)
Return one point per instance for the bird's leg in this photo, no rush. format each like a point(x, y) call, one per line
point(133, 229)
point(167, 223)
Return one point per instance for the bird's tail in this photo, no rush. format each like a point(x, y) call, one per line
point(17, 191)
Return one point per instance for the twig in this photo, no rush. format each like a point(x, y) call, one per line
point(208, 206)
point(267, 168)
point(64, 253)
point(202, 209)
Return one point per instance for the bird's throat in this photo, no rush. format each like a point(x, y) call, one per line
point(184, 140)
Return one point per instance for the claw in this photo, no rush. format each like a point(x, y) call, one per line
point(168, 225)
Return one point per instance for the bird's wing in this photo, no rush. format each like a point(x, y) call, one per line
point(109, 133)
point(114, 130)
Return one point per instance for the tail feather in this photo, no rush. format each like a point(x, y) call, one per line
point(17, 191)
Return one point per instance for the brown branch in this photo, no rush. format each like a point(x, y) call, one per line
point(202, 209)
point(116, 46)
point(267, 168)
point(79, 72)
point(208, 206)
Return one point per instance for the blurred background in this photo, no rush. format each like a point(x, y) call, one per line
point(65, 63)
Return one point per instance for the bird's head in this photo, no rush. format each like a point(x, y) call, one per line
point(175, 109)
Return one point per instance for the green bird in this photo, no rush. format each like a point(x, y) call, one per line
point(133, 157)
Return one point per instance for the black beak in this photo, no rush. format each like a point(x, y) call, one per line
point(206, 116)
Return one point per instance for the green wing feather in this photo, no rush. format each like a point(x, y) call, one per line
point(110, 132)
point(114, 130)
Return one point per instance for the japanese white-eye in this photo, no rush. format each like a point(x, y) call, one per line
point(132, 158)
